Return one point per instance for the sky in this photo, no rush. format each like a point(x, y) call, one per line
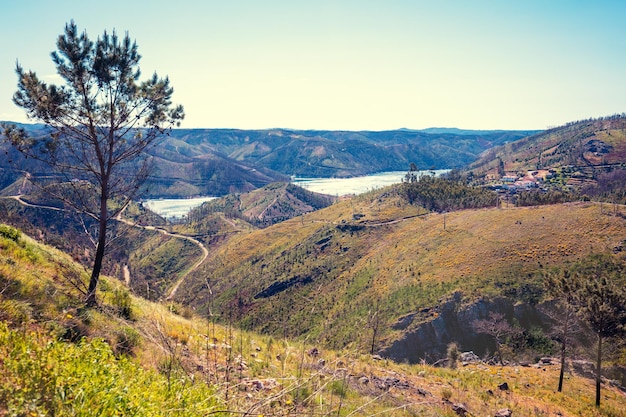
point(350, 65)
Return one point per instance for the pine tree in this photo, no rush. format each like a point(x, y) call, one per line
point(598, 295)
point(100, 123)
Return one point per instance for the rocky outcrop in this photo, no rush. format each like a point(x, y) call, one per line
point(452, 322)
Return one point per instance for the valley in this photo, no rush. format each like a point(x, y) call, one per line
point(313, 209)
point(385, 280)
point(130, 343)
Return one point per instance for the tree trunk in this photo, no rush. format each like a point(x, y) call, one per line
point(563, 348)
point(374, 334)
point(560, 389)
point(90, 300)
point(598, 370)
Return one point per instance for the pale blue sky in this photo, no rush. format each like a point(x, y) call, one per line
point(354, 65)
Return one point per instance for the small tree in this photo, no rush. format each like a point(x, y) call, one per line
point(100, 123)
point(496, 326)
point(564, 316)
point(374, 322)
point(452, 353)
point(598, 295)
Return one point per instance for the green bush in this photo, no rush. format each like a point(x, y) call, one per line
point(15, 312)
point(41, 376)
point(180, 310)
point(122, 303)
point(10, 232)
point(127, 339)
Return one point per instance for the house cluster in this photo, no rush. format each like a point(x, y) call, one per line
point(530, 180)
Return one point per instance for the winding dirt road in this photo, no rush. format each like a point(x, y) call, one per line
point(205, 251)
point(119, 218)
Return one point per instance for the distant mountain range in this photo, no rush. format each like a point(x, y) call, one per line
point(221, 161)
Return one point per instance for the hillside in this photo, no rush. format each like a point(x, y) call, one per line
point(325, 154)
point(328, 272)
point(591, 146)
point(144, 256)
point(265, 206)
point(130, 356)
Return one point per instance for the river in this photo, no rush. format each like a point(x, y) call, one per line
point(173, 208)
point(355, 185)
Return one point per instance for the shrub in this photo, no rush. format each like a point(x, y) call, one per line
point(15, 312)
point(10, 232)
point(122, 303)
point(127, 339)
point(453, 355)
point(338, 387)
point(73, 331)
point(181, 310)
point(446, 394)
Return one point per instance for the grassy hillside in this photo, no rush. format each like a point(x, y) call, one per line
point(147, 258)
point(589, 145)
point(376, 259)
point(265, 206)
point(131, 356)
point(60, 359)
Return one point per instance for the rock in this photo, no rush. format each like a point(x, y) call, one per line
point(503, 386)
point(386, 383)
point(340, 371)
point(584, 368)
point(314, 352)
point(423, 392)
point(469, 357)
point(377, 357)
point(364, 380)
point(263, 385)
point(459, 409)
point(505, 412)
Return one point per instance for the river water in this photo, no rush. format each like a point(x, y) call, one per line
point(355, 185)
point(173, 208)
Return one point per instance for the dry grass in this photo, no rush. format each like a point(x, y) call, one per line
point(395, 255)
point(264, 375)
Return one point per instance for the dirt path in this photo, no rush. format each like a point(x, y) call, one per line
point(119, 218)
point(205, 251)
point(27, 204)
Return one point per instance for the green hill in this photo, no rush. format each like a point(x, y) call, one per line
point(265, 206)
point(318, 153)
point(133, 357)
point(326, 273)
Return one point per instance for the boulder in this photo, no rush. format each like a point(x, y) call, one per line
point(459, 409)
